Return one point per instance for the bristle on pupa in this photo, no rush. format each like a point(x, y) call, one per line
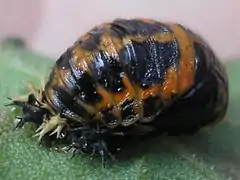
point(55, 124)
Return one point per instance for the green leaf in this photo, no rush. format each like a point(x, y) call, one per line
point(212, 154)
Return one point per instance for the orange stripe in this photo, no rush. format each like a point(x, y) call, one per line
point(108, 45)
point(81, 58)
point(150, 21)
point(186, 63)
point(170, 83)
point(153, 90)
point(119, 97)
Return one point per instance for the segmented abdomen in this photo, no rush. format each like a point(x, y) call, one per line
point(124, 71)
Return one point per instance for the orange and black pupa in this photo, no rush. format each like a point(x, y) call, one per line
point(129, 77)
